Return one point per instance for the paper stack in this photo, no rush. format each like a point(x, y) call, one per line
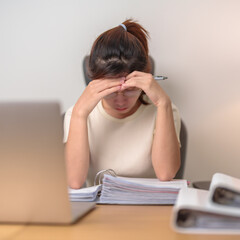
point(142, 191)
point(121, 190)
point(89, 194)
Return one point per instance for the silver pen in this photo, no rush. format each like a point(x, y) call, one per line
point(160, 78)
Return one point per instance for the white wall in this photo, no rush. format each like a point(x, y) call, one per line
point(194, 42)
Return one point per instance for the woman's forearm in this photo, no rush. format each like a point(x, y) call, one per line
point(77, 151)
point(165, 149)
point(77, 146)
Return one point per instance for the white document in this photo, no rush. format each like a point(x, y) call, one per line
point(225, 191)
point(194, 213)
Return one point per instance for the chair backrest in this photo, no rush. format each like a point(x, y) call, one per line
point(86, 69)
point(183, 132)
point(183, 150)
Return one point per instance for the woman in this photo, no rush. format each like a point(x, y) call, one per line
point(123, 120)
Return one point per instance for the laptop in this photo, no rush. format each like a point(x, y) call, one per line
point(33, 179)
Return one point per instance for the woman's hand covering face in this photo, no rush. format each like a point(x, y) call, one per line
point(148, 84)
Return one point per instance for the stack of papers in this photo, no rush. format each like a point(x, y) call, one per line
point(89, 194)
point(142, 191)
point(122, 190)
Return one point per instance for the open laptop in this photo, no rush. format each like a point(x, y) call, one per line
point(33, 180)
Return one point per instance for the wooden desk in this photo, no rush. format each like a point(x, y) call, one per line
point(110, 222)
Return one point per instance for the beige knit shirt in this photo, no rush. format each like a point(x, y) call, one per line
point(123, 145)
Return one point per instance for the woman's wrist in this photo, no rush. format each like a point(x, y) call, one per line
point(78, 113)
point(164, 102)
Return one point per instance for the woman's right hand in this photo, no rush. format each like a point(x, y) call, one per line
point(94, 92)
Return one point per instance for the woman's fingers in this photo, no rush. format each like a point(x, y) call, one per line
point(97, 89)
point(100, 85)
point(138, 79)
point(108, 91)
point(133, 82)
point(94, 92)
point(137, 74)
point(148, 84)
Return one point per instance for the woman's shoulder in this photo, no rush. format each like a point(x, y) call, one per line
point(69, 111)
point(175, 110)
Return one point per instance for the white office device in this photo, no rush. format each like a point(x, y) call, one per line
point(33, 179)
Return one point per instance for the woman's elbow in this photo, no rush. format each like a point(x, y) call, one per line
point(75, 184)
point(167, 175)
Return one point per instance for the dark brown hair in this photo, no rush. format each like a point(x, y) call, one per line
point(119, 51)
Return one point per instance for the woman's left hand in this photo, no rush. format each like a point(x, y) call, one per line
point(148, 84)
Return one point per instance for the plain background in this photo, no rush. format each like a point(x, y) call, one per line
point(196, 43)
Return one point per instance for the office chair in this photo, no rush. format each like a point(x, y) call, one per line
point(85, 69)
point(183, 131)
point(183, 150)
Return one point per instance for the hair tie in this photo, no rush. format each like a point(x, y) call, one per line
point(124, 27)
